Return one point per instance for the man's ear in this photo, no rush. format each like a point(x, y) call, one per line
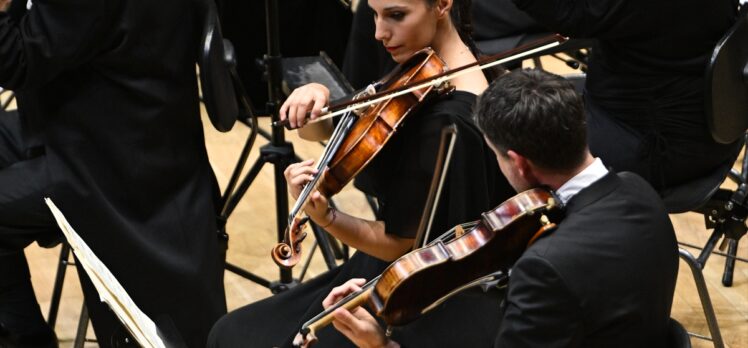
point(524, 167)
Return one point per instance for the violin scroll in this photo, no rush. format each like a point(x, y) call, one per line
point(288, 253)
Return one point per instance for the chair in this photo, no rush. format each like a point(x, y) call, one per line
point(677, 336)
point(727, 116)
point(216, 61)
point(54, 306)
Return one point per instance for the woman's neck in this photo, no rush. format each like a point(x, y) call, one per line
point(450, 47)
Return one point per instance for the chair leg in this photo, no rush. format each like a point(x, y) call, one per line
point(732, 252)
point(709, 246)
point(54, 305)
point(80, 336)
point(706, 302)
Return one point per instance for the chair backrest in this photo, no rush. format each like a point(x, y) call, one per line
point(215, 61)
point(727, 83)
point(677, 336)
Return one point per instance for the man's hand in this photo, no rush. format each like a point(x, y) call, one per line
point(358, 325)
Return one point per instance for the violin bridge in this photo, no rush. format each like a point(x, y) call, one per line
point(444, 86)
point(459, 231)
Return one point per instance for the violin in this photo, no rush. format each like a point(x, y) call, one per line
point(358, 137)
point(420, 280)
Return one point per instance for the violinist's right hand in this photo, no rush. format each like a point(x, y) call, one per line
point(309, 98)
point(339, 292)
point(357, 324)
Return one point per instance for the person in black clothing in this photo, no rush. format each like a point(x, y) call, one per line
point(644, 93)
point(109, 128)
point(398, 177)
point(605, 277)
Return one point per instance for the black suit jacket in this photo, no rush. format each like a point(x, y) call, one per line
point(108, 89)
point(604, 278)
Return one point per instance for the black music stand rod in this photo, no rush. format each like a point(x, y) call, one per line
point(278, 144)
point(280, 153)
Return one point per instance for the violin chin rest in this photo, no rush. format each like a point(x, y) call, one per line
point(304, 339)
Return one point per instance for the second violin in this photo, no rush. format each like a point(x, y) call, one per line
point(423, 278)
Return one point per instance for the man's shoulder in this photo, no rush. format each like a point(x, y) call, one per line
point(624, 189)
point(620, 208)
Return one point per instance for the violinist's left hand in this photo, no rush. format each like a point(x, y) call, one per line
point(358, 325)
point(299, 174)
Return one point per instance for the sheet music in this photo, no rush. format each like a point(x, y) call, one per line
point(110, 290)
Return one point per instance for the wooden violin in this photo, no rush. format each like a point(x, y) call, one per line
point(425, 277)
point(359, 137)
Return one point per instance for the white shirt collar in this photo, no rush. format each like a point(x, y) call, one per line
point(586, 177)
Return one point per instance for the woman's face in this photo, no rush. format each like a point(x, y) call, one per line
point(404, 26)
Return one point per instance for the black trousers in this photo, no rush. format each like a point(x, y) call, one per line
point(23, 219)
point(667, 149)
point(24, 178)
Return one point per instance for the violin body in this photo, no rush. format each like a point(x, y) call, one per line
point(422, 277)
point(378, 122)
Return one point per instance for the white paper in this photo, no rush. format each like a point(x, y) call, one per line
point(110, 290)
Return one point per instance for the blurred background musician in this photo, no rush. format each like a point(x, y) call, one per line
point(399, 177)
point(644, 94)
point(110, 129)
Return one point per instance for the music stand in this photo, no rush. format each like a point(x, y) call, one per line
point(278, 152)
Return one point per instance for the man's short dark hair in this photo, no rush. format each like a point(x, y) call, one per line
point(536, 114)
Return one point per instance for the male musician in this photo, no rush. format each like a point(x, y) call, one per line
point(109, 128)
point(605, 277)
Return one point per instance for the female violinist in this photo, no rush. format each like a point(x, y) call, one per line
point(398, 177)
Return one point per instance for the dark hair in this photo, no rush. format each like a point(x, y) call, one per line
point(462, 18)
point(536, 114)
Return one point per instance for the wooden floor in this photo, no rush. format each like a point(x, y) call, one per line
point(252, 232)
